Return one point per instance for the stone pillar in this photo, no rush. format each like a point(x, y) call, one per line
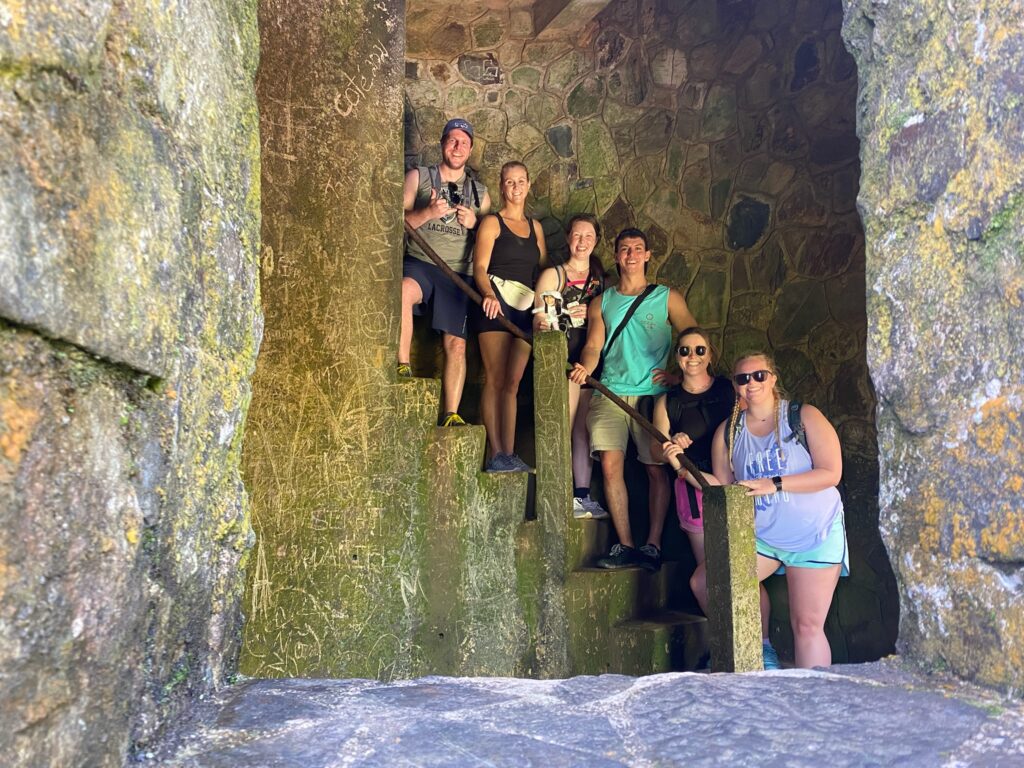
point(733, 598)
point(333, 449)
point(942, 198)
point(553, 436)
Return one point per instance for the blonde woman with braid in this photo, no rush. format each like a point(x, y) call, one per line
point(798, 514)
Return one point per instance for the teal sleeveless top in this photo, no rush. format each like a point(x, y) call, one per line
point(642, 346)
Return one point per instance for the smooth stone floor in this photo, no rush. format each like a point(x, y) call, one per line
point(853, 715)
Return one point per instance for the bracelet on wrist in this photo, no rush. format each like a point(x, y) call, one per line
point(777, 482)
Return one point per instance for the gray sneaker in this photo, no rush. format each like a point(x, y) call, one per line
point(619, 557)
point(517, 464)
point(650, 558)
point(587, 509)
point(593, 506)
point(499, 463)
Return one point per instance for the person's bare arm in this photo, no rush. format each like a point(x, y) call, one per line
point(468, 217)
point(679, 315)
point(485, 237)
point(437, 208)
point(720, 456)
point(541, 244)
point(595, 343)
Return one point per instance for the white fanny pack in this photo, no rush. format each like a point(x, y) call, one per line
point(514, 293)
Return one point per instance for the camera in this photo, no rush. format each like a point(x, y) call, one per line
point(450, 192)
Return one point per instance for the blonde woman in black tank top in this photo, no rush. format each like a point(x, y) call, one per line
point(503, 247)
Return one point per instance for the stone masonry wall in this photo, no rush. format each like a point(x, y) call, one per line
point(941, 121)
point(726, 131)
point(129, 325)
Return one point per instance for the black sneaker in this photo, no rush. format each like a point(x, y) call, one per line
point(650, 558)
point(619, 557)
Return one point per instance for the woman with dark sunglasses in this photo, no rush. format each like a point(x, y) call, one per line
point(689, 415)
point(798, 514)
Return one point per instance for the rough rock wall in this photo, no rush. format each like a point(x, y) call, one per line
point(726, 130)
point(129, 326)
point(941, 121)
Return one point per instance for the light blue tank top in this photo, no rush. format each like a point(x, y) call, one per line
point(796, 522)
point(642, 345)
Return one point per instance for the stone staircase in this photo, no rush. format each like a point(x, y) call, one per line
point(625, 621)
point(634, 614)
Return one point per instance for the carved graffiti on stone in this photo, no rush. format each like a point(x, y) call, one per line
point(360, 84)
point(480, 69)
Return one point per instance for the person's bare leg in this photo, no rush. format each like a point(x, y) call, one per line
point(765, 568)
point(699, 586)
point(766, 610)
point(697, 545)
point(453, 378)
point(613, 465)
point(657, 501)
point(518, 357)
point(810, 595)
point(493, 353)
point(412, 295)
point(582, 464)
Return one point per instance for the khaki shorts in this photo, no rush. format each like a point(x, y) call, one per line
point(610, 428)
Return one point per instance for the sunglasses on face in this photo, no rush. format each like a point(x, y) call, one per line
point(700, 350)
point(742, 379)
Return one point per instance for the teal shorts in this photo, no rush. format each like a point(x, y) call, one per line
point(832, 551)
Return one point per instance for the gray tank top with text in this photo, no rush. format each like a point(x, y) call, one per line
point(795, 522)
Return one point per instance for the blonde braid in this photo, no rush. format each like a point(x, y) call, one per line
point(778, 434)
point(730, 429)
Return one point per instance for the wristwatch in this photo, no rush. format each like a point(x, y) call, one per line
point(778, 483)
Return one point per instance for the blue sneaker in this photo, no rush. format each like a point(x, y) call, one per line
point(769, 658)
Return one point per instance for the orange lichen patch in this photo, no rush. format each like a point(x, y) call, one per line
point(999, 428)
point(963, 544)
point(16, 425)
point(1003, 535)
point(932, 507)
point(1014, 483)
point(1012, 292)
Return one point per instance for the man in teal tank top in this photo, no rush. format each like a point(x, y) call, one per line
point(634, 367)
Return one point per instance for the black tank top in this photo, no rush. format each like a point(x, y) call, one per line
point(514, 257)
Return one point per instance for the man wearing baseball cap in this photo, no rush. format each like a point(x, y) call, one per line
point(442, 203)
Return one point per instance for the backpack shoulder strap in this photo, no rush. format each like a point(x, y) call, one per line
point(796, 425)
point(562, 277)
point(434, 174)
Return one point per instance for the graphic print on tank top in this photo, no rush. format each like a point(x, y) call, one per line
point(767, 462)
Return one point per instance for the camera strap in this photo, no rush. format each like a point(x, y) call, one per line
point(468, 186)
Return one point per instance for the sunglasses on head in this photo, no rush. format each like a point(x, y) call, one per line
point(744, 378)
point(700, 350)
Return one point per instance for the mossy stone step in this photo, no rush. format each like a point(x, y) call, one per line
point(663, 641)
point(586, 540)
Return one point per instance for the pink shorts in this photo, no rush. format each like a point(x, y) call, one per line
point(687, 521)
